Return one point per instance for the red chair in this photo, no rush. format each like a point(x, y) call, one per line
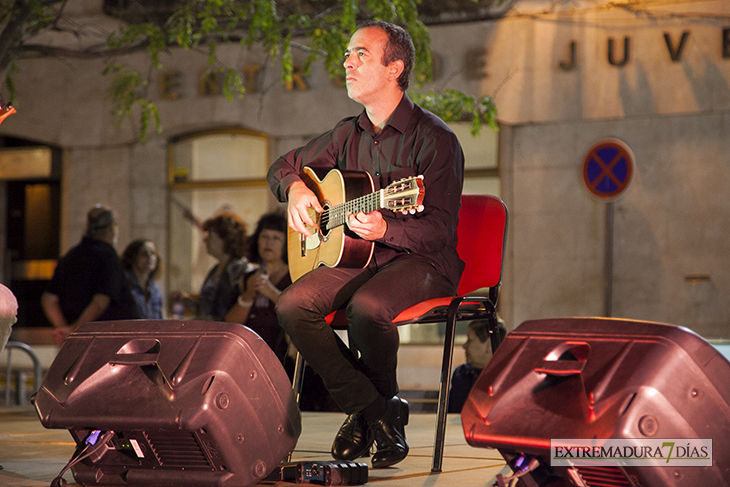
point(482, 233)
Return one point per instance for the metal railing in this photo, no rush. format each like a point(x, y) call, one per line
point(20, 376)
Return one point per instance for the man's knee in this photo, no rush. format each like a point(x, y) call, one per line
point(286, 307)
point(367, 309)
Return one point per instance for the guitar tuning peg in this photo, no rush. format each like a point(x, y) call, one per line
point(412, 211)
point(404, 211)
point(421, 208)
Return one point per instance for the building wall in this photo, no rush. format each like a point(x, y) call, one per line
point(669, 230)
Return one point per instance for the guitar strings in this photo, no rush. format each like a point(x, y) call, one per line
point(334, 216)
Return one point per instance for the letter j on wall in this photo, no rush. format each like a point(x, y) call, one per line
point(607, 169)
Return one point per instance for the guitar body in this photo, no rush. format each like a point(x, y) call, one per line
point(337, 246)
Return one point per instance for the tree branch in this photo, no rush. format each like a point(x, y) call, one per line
point(44, 50)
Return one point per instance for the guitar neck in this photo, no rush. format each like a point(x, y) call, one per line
point(336, 215)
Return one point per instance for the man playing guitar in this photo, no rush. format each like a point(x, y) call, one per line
point(414, 257)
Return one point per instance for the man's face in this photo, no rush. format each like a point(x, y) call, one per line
point(366, 76)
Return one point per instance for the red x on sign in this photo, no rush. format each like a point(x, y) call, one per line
point(607, 168)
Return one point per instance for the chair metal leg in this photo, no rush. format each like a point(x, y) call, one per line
point(495, 339)
point(297, 384)
point(439, 439)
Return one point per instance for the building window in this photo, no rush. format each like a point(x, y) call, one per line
point(210, 172)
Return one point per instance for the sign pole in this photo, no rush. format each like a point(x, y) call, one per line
point(609, 259)
point(607, 170)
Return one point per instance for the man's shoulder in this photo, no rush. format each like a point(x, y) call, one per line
point(347, 124)
point(90, 252)
point(426, 119)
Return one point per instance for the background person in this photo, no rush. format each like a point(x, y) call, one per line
point(141, 264)
point(225, 241)
point(88, 283)
point(478, 351)
point(260, 288)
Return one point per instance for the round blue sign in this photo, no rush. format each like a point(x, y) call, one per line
point(607, 168)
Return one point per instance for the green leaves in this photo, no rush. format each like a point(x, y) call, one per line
point(275, 26)
point(129, 91)
point(454, 106)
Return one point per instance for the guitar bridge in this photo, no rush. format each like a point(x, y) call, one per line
point(303, 244)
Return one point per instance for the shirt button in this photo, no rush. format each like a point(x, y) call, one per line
point(376, 142)
point(377, 174)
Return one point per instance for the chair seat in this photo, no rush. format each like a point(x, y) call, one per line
point(429, 311)
point(436, 310)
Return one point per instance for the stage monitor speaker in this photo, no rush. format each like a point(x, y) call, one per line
point(171, 403)
point(602, 378)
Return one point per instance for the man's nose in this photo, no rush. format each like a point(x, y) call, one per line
point(349, 63)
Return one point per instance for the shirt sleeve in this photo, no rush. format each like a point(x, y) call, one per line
point(319, 153)
point(441, 162)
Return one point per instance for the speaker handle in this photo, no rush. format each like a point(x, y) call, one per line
point(561, 368)
point(139, 359)
point(139, 351)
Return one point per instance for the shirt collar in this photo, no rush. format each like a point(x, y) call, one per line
point(398, 120)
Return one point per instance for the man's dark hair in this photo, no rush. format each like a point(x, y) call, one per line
point(481, 329)
point(399, 47)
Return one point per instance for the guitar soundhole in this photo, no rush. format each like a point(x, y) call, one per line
point(324, 223)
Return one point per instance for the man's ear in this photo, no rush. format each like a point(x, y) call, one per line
point(395, 69)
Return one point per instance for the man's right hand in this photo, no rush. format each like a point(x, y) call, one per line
point(299, 199)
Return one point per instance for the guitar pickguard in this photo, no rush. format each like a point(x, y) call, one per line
point(318, 237)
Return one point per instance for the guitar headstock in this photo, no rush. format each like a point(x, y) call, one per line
point(405, 195)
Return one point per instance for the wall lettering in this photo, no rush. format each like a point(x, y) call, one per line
point(475, 66)
point(210, 83)
point(675, 54)
point(250, 75)
point(627, 52)
point(475, 61)
point(297, 79)
point(570, 64)
point(170, 85)
point(436, 66)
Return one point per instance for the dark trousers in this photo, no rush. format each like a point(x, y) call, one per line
point(373, 296)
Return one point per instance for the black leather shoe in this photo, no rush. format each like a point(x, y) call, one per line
point(389, 434)
point(353, 440)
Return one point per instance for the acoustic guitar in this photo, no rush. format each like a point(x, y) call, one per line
point(341, 193)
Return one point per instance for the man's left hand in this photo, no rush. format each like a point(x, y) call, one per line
point(369, 226)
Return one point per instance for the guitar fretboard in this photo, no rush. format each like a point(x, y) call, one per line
point(336, 215)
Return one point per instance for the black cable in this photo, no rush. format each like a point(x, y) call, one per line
point(93, 442)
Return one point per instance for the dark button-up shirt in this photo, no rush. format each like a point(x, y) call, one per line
point(414, 142)
point(92, 267)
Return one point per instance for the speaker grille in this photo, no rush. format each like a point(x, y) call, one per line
point(178, 450)
point(603, 477)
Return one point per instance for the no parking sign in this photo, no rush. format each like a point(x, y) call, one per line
point(607, 168)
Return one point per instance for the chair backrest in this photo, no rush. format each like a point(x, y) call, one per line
point(482, 233)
